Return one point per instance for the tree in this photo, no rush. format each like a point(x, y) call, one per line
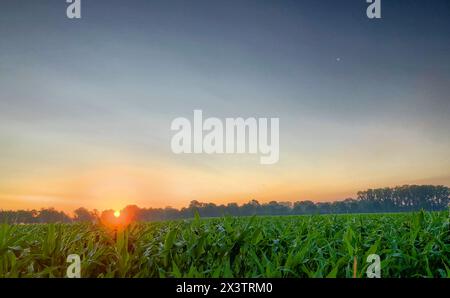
point(84, 215)
point(397, 199)
point(51, 215)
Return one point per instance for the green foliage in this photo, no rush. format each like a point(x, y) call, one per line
point(409, 244)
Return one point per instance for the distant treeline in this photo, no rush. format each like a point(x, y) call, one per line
point(399, 199)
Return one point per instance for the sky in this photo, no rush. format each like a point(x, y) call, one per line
point(86, 104)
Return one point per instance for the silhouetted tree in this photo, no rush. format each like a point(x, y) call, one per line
point(83, 215)
point(397, 199)
point(51, 215)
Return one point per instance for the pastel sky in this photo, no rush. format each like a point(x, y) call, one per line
point(86, 105)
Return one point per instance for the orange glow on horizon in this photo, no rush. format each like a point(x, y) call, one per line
point(158, 185)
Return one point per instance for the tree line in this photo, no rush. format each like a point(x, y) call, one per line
point(398, 199)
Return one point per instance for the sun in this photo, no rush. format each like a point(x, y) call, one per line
point(116, 213)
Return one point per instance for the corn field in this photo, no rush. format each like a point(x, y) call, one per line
point(409, 245)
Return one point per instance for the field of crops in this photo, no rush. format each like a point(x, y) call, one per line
point(409, 245)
